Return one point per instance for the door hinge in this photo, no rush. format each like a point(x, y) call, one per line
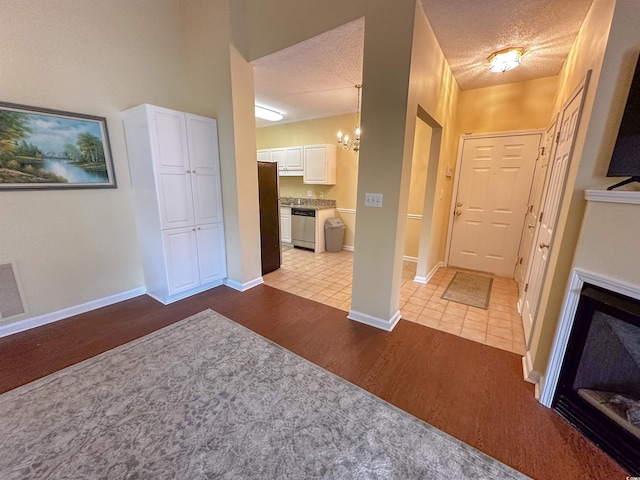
point(541, 151)
point(526, 287)
point(520, 261)
point(540, 217)
point(557, 137)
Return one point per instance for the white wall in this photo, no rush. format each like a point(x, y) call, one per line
point(93, 57)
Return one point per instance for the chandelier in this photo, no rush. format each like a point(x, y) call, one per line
point(346, 142)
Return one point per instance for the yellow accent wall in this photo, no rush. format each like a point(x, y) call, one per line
point(512, 106)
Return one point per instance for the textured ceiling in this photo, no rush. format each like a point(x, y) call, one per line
point(469, 31)
point(316, 78)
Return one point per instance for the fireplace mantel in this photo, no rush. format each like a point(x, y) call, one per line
point(613, 196)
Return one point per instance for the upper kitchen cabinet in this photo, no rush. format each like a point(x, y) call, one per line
point(175, 173)
point(263, 155)
point(290, 161)
point(320, 164)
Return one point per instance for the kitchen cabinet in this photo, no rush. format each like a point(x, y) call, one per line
point(175, 173)
point(320, 164)
point(263, 155)
point(285, 225)
point(289, 159)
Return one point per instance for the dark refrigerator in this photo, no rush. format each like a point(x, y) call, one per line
point(269, 216)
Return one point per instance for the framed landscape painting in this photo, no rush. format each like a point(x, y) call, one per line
point(42, 148)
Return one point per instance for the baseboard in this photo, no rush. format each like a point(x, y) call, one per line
point(407, 258)
point(348, 247)
point(539, 389)
point(33, 322)
point(242, 287)
point(530, 375)
point(425, 280)
point(372, 321)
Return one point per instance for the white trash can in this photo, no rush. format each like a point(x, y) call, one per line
point(333, 234)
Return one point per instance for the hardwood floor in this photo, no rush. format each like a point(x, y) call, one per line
point(471, 391)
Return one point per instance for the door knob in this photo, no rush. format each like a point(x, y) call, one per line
point(459, 204)
point(458, 213)
point(544, 245)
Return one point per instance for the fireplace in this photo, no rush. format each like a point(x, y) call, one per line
point(598, 389)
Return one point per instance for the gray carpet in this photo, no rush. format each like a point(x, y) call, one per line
point(469, 289)
point(207, 398)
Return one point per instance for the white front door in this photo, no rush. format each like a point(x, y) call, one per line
point(529, 230)
point(551, 206)
point(491, 201)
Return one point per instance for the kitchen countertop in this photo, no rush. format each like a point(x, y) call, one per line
point(308, 203)
point(307, 207)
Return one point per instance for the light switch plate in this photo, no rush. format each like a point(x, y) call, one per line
point(373, 200)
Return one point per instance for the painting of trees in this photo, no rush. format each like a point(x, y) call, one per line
point(49, 147)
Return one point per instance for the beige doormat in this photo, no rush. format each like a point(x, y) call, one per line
point(469, 289)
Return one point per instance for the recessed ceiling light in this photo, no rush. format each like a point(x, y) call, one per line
point(507, 59)
point(267, 114)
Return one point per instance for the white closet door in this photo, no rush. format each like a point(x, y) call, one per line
point(205, 170)
point(181, 256)
point(169, 145)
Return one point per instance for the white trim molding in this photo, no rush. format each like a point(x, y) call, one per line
point(372, 321)
point(33, 322)
point(348, 247)
point(352, 211)
point(426, 279)
point(407, 258)
point(531, 375)
point(611, 196)
point(243, 287)
point(577, 279)
point(413, 216)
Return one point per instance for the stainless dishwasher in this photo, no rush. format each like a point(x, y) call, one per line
point(303, 227)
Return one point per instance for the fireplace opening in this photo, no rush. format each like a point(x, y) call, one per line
point(599, 385)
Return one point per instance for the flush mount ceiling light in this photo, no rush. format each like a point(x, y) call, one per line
point(506, 59)
point(267, 114)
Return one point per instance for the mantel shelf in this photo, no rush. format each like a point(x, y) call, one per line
point(612, 196)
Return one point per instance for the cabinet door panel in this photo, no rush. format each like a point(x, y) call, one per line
point(203, 144)
point(211, 253)
point(278, 156)
point(315, 165)
point(175, 195)
point(207, 198)
point(293, 159)
point(181, 256)
point(170, 140)
point(285, 228)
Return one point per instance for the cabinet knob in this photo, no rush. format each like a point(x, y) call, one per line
point(193, 229)
point(194, 171)
point(198, 228)
point(188, 171)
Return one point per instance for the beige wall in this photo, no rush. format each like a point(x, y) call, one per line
point(513, 106)
point(77, 246)
point(220, 84)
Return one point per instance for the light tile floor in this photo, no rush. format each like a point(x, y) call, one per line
point(326, 278)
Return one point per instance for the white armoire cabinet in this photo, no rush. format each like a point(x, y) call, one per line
point(175, 172)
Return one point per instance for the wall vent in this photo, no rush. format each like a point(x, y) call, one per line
point(11, 298)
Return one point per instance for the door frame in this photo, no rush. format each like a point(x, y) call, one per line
point(456, 178)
